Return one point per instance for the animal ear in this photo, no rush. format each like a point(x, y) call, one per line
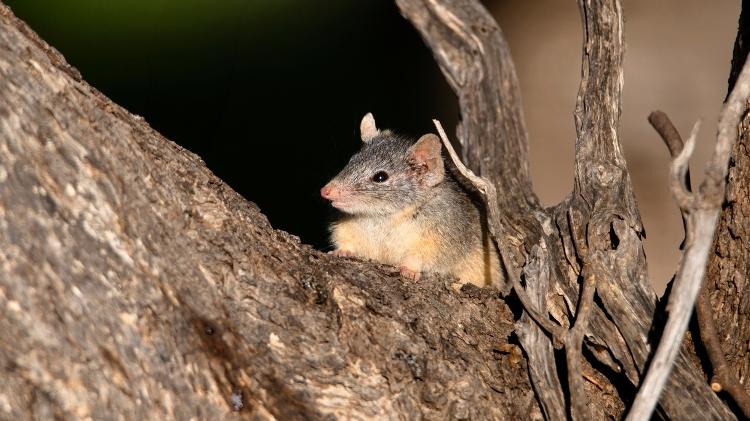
point(426, 159)
point(367, 128)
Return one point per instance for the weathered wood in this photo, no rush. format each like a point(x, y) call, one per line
point(701, 211)
point(475, 59)
point(729, 264)
point(534, 323)
point(598, 224)
point(603, 217)
point(134, 284)
point(579, 406)
point(723, 378)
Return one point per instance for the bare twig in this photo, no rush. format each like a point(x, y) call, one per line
point(723, 379)
point(475, 59)
point(703, 213)
point(470, 49)
point(536, 343)
point(543, 373)
point(573, 342)
point(672, 139)
point(678, 174)
point(489, 196)
point(668, 132)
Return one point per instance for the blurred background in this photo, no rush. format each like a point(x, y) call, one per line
point(270, 93)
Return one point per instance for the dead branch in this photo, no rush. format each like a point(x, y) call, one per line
point(549, 247)
point(550, 396)
point(727, 270)
point(135, 284)
point(723, 379)
point(573, 342)
point(489, 197)
point(131, 278)
point(475, 59)
point(539, 349)
point(604, 210)
point(672, 139)
point(668, 132)
point(703, 210)
point(678, 171)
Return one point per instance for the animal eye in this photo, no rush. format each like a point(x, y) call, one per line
point(380, 176)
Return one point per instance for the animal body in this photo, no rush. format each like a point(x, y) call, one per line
point(401, 207)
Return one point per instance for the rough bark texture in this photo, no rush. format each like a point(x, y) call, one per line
point(727, 277)
point(597, 225)
point(729, 265)
point(134, 284)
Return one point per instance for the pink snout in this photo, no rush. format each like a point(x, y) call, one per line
point(330, 192)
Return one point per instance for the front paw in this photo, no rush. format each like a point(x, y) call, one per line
point(410, 274)
point(342, 253)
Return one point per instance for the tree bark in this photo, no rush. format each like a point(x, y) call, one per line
point(729, 265)
point(136, 284)
point(598, 226)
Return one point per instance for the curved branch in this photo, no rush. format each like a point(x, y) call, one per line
point(668, 132)
point(602, 205)
point(602, 208)
point(472, 53)
point(672, 139)
point(723, 379)
point(703, 216)
point(573, 344)
point(489, 197)
point(678, 173)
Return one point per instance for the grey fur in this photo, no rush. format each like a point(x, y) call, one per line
point(445, 209)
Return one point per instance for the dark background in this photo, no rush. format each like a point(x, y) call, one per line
point(270, 92)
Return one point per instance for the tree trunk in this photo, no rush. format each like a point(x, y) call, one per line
point(729, 266)
point(135, 284)
point(596, 228)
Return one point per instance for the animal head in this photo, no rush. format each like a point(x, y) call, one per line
point(389, 173)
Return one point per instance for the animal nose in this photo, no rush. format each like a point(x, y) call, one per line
point(328, 192)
